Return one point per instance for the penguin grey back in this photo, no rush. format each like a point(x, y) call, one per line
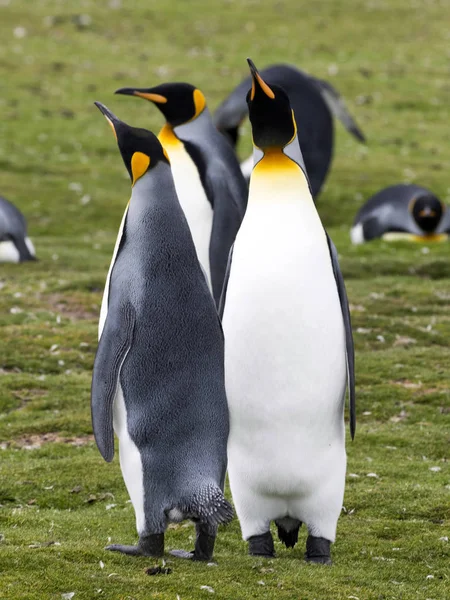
point(172, 377)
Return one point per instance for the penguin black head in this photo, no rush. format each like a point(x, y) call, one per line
point(427, 212)
point(270, 112)
point(140, 149)
point(178, 102)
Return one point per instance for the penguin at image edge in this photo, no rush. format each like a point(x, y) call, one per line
point(402, 212)
point(289, 352)
point(15, 245)
point(210, 186)
point(158, 380)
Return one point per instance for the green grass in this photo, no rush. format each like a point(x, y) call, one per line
point(60, 503)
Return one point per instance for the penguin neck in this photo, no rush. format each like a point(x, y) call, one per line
point(279, 173)
point(153, 192)
point(196, 128)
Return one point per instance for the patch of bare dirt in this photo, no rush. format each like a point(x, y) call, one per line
point(35, 441)
point(69, 308)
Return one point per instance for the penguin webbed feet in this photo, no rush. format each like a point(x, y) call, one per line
point(204, 544)
point(261, 545)
point(318, 550)
point(148, 545)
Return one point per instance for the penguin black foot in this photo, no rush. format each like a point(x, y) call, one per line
point(261, 545)
point(148, 545)
point(318, 550)
point(204, 545)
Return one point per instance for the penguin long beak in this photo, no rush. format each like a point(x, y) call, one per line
point(145, 93)
point(109, 116)
point(258, 82)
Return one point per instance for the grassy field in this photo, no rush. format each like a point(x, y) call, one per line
point(59, 502)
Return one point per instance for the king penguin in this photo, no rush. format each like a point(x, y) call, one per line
point(158, 379)
point(289, 347)
point(209, 183)
point(315, 102)
point(402, 212)
point(15, 245)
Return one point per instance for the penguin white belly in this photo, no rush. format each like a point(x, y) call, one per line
point(192, 196)
point(130, 460)
point(285, 365)
point(9, 252)
point(104, 305)
point(195, 204)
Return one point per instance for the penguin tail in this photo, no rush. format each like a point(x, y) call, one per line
point(288, 531)
point(209, 506)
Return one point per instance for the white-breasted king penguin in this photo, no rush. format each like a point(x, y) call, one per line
point(210, 186)
point(402, 212)
point(15, 245)
point(314, 103)
point(158, 379)
point(289, 347)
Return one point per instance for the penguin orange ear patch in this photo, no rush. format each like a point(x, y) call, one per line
point(139, 165)
point(199, 102)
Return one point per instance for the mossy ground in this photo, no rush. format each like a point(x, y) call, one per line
point(60, 503)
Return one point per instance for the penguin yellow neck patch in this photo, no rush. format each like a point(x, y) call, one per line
point(168, 138)
point(274, 160)
point(139, 165)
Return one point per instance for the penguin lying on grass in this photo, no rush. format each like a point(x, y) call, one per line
point(15, 245)
point(402, 212)
point(315, 102)
point(289, 347)
point(209, 183)
point(158, 378)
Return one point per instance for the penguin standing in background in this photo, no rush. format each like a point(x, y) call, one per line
point(15, 245)
point(158, 379)
point(209, 183)
point(402, 212)
point(289, 347)
point(314, 103)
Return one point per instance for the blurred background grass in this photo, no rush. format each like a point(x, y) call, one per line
point(59, 163)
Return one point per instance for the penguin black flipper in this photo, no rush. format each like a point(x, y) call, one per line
point(223, 295)
point(225, 198)
point(348, 332)
point(115, 341)
point(337, 107)
point(225, 226)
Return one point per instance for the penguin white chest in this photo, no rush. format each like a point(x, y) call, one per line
point(9, 252)
point(285, 359)
point(192, 196)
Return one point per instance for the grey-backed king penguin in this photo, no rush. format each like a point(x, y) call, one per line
point(158, 378)
point(314, 103)
point(402, 212)
point(289, 347)
point(15, 245)
point(210, 186)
